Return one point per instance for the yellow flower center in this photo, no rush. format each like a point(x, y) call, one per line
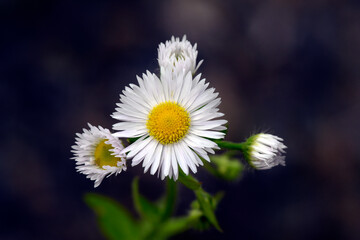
point(168, 122)
point(103, 155)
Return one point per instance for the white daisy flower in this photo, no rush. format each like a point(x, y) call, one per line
point(173, 119)
point(98, 154)
point(178, 55)
point(265, 151)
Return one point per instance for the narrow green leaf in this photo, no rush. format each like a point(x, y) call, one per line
point(207, 206)
point(189, 181)
point(114, 220)
point(173, 227)
point(145, 208)
point(217, 198)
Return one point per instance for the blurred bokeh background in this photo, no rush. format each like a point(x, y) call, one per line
point(289, 67)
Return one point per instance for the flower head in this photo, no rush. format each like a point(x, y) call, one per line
point(173, 119)
point(264, 151)
point(98, 154)
point(178, 55)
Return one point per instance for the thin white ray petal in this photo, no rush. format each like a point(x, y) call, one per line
point(174, 163)
point(133, 145)
point(209, 124)
point(219, 128)
point(204, 109)
point(138, 95)
point(139, 147)
point(123, 117)
point(191, 157)
point(208, 134)
point(204, 99)
point(210, 150)
point(202, 142)
point(181, 159)
point(200, 162)
point(167, 160)
point(151, 150)
point(202, 153)
point(127, 125)
point(157, 158)
point(135, 114)
point(130, 133)
point(185, 91)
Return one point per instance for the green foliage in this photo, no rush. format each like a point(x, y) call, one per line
point(202, 222)
point(208, 205)
point(189, 181)
point(155, 218)
point(172, 227)
point(156, 221)
point(205, 200)
point(115, 222)
point(225, 167)
point(146, 209)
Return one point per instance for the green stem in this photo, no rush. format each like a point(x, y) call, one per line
point(231, 145)
point(171, 195)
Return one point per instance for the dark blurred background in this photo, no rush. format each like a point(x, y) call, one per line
point(289, 67)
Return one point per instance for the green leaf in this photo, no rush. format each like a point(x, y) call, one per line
point(217, 198)
point(207, 206)
point(189, 181)
point(145, 208)
point(114, 220)
point(173, 227)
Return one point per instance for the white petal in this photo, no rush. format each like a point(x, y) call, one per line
point(208, 134)
point(209, 124)
point(181, 159)
point(167, 160)
point(139, 146)
point(151, 151)
point(174, 163)
point(201, 142)
point(131, 133)
point(156, 158)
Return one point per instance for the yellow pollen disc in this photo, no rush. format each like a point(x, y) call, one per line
point(168, 122)
point(103, 156)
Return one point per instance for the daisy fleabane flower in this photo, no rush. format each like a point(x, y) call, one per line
point(178, 55)
point(265, 151)
point(173, 119)
point(98, 154)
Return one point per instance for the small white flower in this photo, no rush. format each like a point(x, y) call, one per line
point(173, 117)
point(98, 154)
point(178, 55)
point(265, 151)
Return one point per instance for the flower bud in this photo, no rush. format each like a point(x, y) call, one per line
point(264, 151)
point(178, 55)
